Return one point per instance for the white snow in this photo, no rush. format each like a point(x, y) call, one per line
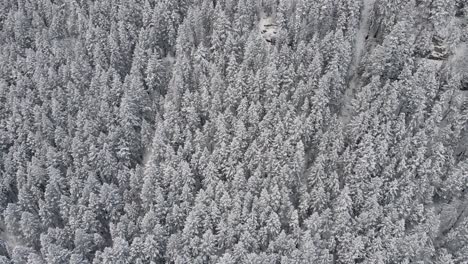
point(362, 33)
point(360, 46)
point(146, 156)
point(10, 241)
point(436, 63)
point(459, 53)
point(268, 28)
point(169, 59)
point(456, 60)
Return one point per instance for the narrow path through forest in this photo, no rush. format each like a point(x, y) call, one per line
point(360, 46)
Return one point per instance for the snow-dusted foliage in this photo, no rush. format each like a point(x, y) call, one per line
point(233, 131)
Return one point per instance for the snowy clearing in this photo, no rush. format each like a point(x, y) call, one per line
point(268, 29)
point(362, 33)
point(360, 46)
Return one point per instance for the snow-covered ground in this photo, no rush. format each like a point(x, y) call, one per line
point(459, 54)
point(268, 28)
point(363, 31)
point(169, 59)
point(146, 156)
point(457, 59)
point(8, 242)
point(360, 46)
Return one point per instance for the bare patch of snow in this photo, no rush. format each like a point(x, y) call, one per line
point(268, 28)
point(436, 63)
point(169, 59)
point(360, 46)
point(147, 155)
point(458, 60)
point(362, 33)
point(459, 53)
point(10, 241)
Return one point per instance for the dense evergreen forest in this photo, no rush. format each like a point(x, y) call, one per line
point(233, 131)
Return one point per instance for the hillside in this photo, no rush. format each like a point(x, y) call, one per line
point(233, 131)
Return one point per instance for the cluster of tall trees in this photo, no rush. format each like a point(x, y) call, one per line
point(160, 131)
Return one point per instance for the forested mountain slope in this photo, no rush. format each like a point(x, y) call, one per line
point(233, 131)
